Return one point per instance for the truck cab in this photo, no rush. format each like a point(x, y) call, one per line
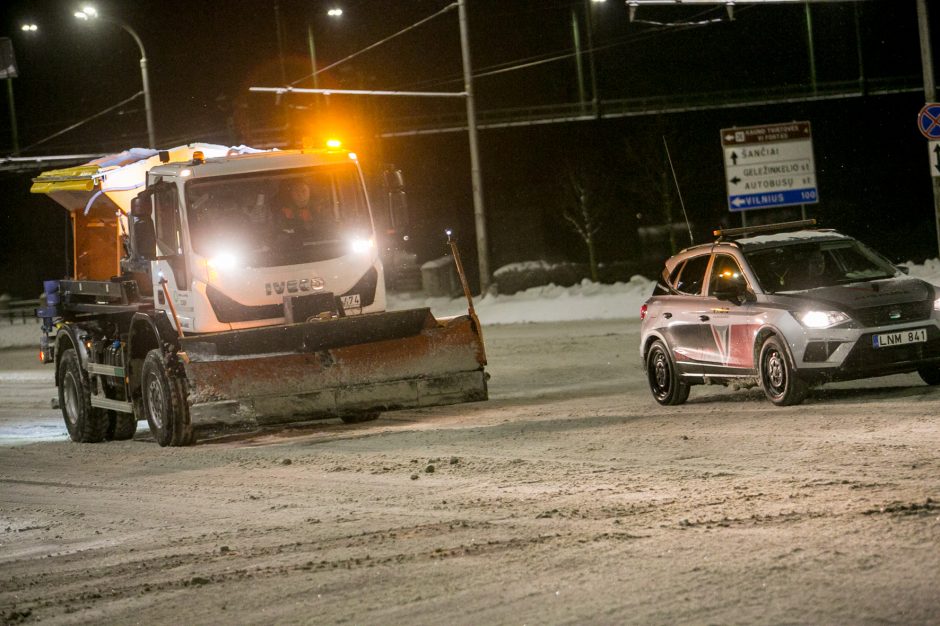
point(240, 239)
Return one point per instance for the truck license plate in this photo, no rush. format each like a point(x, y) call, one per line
point(351, 301)
point(916, 335)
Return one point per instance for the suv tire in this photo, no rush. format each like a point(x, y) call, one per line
point(778, 377)
point(666, 386)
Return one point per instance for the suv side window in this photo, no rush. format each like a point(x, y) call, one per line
point(692, 276)
point(724, 265)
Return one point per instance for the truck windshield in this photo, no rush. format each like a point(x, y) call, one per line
point(278, 218)
point(806, 265)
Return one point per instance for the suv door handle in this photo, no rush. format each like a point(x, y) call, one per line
point(667, 315)
point(704, 318)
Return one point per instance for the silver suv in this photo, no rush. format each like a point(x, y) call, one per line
point(785, 307)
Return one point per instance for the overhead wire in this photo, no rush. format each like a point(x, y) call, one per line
point(84, 121)
point(447, 8)
point(552, 57)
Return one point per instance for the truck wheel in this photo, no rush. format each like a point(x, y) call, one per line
point(358, 418)
point(778, 377)
point(667, 388)
point(164, 403)
point(121, 426)
point(85, 423)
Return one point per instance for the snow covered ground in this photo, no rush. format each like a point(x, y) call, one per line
point(550, 303)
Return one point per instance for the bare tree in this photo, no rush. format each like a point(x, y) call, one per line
point(585, 210)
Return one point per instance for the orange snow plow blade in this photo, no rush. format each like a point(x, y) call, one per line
point(347, 367)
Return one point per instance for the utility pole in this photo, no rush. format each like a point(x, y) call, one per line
point(16, 134)
point(576, 35)
point(930, 94)
point(811, 51)
point(589, 19)
point(479, 212)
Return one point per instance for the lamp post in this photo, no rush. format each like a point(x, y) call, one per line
point(334, 13)
point(88, 13)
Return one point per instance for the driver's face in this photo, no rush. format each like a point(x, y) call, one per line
point(300, 194)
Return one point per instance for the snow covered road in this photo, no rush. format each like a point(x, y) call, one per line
point(569, 497)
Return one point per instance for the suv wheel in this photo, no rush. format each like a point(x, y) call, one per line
point(778, 377)
point(664, 381)
point(930, 375)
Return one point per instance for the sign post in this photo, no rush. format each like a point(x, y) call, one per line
point(928, 123)
point(769, 166)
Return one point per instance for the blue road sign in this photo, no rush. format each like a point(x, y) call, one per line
point(928, 121)
point(772, 199)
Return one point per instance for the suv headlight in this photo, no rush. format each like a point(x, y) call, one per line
point(821, 319)
point(936, 304)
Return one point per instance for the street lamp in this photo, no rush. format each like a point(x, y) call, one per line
point(89, 13)
point(335, 12)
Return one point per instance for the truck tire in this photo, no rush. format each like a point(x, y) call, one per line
point(121, 426)
point(85, 423)
point(164, 403)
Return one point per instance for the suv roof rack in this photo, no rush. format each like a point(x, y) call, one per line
point(763, 228)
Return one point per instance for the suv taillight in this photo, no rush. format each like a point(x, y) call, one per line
point(643, 312)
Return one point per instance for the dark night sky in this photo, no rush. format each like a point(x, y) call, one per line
point(871, 162)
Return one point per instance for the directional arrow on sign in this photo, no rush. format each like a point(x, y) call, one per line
point(735, 180)
point(936, 152)
point(738, 202)
point(734, 158)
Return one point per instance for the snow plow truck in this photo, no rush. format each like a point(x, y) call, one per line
point(228, 287)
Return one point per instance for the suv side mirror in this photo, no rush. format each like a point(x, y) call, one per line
point(731, 290)
point(143, 237)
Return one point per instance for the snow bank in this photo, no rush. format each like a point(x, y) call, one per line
point(550, 303)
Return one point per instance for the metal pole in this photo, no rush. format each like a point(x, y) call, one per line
point(148, 108)
point(858, 48)
point(923, 28)
point(476, 179)
point(930, 94)
point(16, 134)
point(280, 41)
point(812, 54)
point(313, 56)
point(576, 34)
point(589, 26)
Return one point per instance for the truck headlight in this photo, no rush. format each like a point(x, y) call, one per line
point(223, 261)
point(821, 319)
point(936, 304)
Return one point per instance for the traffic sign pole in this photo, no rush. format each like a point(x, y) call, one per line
point(928, 123)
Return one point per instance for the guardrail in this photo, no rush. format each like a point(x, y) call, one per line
point(18, 312)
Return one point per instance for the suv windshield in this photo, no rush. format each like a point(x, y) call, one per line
point(278, 218)
point(805, 265)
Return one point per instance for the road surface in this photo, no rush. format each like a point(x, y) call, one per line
point(569, 497)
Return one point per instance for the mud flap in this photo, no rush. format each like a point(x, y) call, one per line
point(336, 367)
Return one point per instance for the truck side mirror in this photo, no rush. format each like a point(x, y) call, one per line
point(142, 234)
point(397, 200)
